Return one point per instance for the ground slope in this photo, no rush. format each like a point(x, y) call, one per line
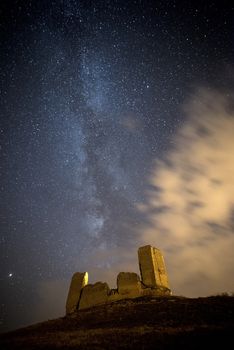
point(142, 323)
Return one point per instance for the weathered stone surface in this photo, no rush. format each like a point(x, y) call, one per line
point(79, 280)
point(154, 281)
point(160, 269)
point(146, 265)
point(152, 267)
point(128, 283)
point(158, 291)
point(94, 294)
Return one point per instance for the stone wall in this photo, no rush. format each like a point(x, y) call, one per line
point(154, 281)
point(94, 294)
point(128, 283)
point(160, 269)
point(152, 267)
point(78, 282)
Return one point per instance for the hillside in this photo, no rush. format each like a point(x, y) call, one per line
point(142, 323)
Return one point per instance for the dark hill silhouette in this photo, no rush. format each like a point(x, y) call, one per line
point(142, 323)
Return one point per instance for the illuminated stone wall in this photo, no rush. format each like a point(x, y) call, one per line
point(154, 281)
point(78, 282)
point(152, 267)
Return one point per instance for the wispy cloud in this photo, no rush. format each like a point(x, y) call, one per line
point(191, 205)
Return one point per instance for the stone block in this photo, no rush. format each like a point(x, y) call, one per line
point(160, 269)
point(94, 294)
point(128, 283)
point(152, 267)
point(146, 265)
point(79, 280)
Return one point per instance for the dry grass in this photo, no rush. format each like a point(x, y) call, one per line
point(143, 323)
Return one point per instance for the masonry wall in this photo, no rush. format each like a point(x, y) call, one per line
point(152, 267)
point(154, 281)
point(160, 269)
point(78, 282)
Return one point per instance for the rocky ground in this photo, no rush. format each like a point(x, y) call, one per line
point(142, 323)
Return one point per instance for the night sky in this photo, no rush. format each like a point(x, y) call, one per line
point(116, 131)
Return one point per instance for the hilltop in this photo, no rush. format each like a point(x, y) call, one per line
point(168, 322)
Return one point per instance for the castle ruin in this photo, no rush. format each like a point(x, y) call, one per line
point(153, 281)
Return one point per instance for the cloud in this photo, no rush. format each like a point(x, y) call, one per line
point(191, 205)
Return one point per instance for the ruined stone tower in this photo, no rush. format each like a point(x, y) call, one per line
point(78, 282)
point(152, 267)
point(154, 281)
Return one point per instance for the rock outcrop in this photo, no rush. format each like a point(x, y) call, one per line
point(154, 281)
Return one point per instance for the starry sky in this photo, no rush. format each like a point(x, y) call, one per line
point(116, 131)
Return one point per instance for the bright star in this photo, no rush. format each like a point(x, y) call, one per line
point(10, 274)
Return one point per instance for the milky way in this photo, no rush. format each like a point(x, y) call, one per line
point(91, 95)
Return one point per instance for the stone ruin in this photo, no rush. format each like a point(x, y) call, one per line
point(153, 282)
